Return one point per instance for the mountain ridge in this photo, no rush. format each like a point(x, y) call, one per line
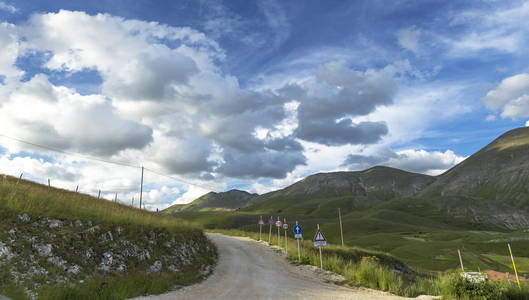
point(490, 186)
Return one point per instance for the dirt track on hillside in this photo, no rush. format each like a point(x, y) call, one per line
point(252, 270)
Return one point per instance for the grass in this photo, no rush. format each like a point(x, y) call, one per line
point(376, 270)
point(35, 200)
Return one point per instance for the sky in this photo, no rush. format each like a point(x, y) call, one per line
point(253, 95)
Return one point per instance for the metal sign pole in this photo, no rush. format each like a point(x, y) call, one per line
point(270, 233)
point(299, 253)
point(260, 227)
point(286, 240)
point(515, 272)
point(321, 259)
point(278, 235)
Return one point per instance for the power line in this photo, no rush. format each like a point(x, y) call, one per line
point(70, 153)
point(105, 161)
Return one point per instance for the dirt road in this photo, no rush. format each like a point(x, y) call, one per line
point(250, 270)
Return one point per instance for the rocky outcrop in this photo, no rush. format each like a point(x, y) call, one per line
point(40, 251)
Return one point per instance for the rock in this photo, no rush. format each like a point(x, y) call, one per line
point(35, 224)
point(23, 218)
point(75, 269)
point(44, 249)
point(89, 253)
point(173, 268)
point(59, 262)
point(107, 258)
point(119, 230)
point(78, 223)
point(12, 232)
point(143, 255)
point(37, 271)
point(55, 223)
point(94, 229)
point(121, 268)
point(5, 251)
point(156, 267)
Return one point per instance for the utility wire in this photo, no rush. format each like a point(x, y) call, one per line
point(104, 161)
point(71, 154)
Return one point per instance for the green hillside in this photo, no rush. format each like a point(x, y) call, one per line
point(230, 200)
point(57, 244)
point(477, 206)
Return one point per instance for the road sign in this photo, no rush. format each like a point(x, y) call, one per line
point(261, 222)
point(279, 223)
point(298, 236)
point(297, 229)
point(285, 226)
point(319, 239)
point(271, 221)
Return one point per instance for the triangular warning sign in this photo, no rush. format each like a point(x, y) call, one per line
point(319, 237)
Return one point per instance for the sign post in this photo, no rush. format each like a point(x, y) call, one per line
point(278, 225)
point(341, 228)
point(261, 223)
point(270, 222)
point(320, 241)
point(515, 272)
point(285, 227)
point(297, 236)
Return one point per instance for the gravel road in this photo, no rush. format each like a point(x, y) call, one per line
point(251, 270)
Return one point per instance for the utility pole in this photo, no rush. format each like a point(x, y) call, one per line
point(141, 186)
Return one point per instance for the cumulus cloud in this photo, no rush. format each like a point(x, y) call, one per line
point(419, 161)
point(59, 117)
point(327, 103)
point(511, 96)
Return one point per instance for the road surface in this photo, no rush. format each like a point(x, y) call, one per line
point(251, 270)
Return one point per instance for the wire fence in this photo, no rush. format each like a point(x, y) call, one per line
point(107, 191)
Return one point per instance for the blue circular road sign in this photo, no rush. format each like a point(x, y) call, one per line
point(297, 229)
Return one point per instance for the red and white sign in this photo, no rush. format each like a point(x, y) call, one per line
point(285, 226)
point(319, 239)
point(279, 223)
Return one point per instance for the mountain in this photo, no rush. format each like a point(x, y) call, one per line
point(490, 186)
point(230, 200)
point(368, 188)
point(488, 189)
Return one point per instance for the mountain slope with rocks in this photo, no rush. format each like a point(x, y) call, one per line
point(59, 245)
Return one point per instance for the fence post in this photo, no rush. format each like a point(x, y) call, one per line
point(77, 189)
point(49, 185)
point(99, 194)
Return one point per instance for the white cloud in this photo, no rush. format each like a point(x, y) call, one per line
point(409, 39)
point(511, 96)
point(502, 30)
point(7, 7)
point(419, 161)
point(490, 118)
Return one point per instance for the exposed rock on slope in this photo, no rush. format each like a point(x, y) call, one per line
point(38, 251)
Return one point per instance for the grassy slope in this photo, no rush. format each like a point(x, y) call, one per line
point(40, 205)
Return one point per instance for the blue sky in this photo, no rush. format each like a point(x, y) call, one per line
point(253, 94)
